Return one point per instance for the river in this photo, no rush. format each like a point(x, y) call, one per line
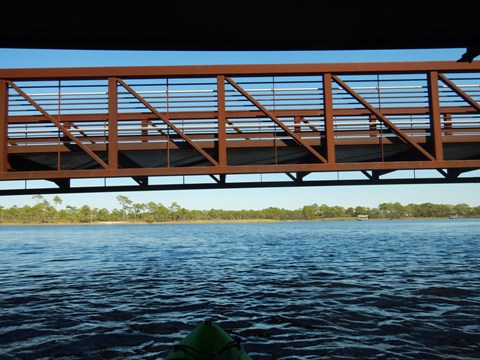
point(289, 290)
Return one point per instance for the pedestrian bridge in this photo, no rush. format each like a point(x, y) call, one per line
point(233, 126)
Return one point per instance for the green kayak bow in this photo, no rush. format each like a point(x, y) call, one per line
point(208, 341)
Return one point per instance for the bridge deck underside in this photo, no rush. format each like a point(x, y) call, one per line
point(263, 153)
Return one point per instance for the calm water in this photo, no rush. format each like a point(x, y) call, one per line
point(327, 290)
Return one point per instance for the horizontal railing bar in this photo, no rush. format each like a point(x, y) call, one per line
point(237, 70)
point(247, 114)
point(146, 142)
point(244, 127)
point(253, 90)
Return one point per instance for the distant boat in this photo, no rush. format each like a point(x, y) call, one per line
point(362, 217)
point(454, 216)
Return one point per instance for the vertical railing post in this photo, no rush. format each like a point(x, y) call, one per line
point(144, 130)
point(328, 118)
point(372, 127)
point(435, 126)
point(112, 123)
point(221, 111)
point(3, 126)
point(447, 121)
point(297, 124)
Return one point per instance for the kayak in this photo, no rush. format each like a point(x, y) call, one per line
point(208, 341)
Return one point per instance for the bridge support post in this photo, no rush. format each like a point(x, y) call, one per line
point(3, 126)
point(435, 126)
point(328, 118)
point(222, 136)
point(112, 124)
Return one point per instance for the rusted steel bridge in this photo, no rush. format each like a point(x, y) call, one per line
point(232, 126)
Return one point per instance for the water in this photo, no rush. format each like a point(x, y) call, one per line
point(326, 290)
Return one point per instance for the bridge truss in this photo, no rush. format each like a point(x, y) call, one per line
point(234, 126)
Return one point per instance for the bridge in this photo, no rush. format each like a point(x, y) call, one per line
point(237, 126)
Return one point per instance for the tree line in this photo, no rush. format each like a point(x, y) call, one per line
point(45, 212)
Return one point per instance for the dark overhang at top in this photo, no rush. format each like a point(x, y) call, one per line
point(246, 25)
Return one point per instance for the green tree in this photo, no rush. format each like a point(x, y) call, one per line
point(42, 209)
point(323, 211)
point(392, 210)
point(461, 210)
point(85, 214)
point(126, 205)
point(310, 211)
point(337, 211)
point(72, 213)
point(15, 214)
point(38, 198)
point(57, 200)
point(103, 215)
point(475, 212)
point(137, 210)
point(116, 215)
point(174, 210)
point(157, 211)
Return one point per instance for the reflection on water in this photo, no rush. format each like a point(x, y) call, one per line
point(378, 289)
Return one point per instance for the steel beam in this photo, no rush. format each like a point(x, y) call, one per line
point(222, 120)
point(236, 70)
point(173, 115)
point(240, 185)
point(328, 117)
point(242, 169)
point(112, 124)
point(435, 127)
point(3, 126)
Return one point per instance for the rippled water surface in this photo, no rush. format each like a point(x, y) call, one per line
point(310, 290)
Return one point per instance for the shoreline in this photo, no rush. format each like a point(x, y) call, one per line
point(199, 222)
point(107, 223)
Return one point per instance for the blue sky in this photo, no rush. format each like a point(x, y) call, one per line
point(290, 198)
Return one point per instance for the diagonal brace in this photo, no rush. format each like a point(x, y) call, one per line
point(459, 92)
point(382, 118)
point(58, 124)
point(166, 121)
point(285, 128)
